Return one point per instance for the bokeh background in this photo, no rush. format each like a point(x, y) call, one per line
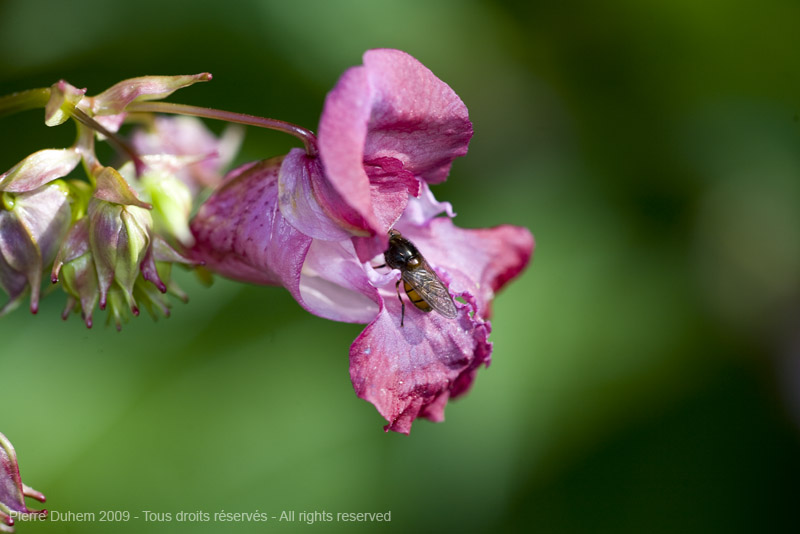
point(646, 373)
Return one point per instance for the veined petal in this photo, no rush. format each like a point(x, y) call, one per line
point(240, 232)
point(411, 371)
point(63, 99)
point(39, 168)
point(114, 99)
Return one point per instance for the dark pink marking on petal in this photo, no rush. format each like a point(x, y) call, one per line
point(411, 371)
point(391, 109)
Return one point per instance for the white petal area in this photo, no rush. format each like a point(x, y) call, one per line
point(334, 285)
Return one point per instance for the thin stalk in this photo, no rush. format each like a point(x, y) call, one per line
point(24, 100)
point(306, 136)
point(113, 138)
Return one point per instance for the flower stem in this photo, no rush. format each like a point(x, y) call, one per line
point(24, 100)
point(113, 138)
point(307, 136)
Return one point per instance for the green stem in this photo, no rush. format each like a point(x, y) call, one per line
point(306, 136)
point(24, 100)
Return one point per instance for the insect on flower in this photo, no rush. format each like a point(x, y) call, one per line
point(423, 287)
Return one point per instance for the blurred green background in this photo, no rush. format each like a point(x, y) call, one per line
point(645, 375)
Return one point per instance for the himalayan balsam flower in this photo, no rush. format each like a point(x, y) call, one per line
point(317, 224)
point(12, 490)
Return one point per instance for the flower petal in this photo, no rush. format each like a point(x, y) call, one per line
point(334, 285)
point(241, 234)
point(114, 99)
point(479, 261)
point(411, 371)
point(425, 207)
point(390, 109)
point(298, 178)
point(39, 168)
point(416, 117)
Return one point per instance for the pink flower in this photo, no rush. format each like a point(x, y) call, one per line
point(188, 137)
point(317, 224)
point(12, 490)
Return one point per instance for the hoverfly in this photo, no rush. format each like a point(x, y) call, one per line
point(423, 287)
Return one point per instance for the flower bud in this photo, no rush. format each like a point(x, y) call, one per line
point(119, 234)
point(63, 99)
point(170, 197)
point(12, 490)
point(75, 268)
point(118, 238)
point(32, 225)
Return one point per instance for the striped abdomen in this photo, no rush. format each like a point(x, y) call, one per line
point(415, 297)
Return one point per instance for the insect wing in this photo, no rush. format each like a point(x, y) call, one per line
point(431, 289)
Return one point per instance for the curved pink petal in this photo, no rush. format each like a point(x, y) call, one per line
point(415, 116)
point(385, 122)
point(298, 178)
point(411, 371)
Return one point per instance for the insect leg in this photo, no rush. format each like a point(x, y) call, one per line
point(402, 304)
